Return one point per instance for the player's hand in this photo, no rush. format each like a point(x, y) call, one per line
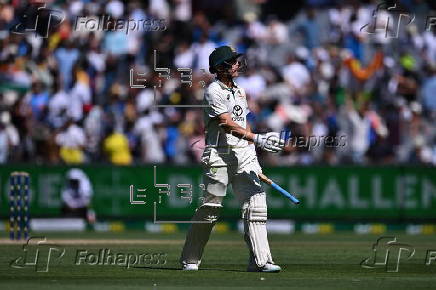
point(270, 142)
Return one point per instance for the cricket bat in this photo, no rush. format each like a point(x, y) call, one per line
point(286, 194)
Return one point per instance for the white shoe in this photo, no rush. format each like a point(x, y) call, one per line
point(190, 267)
point(268, 268)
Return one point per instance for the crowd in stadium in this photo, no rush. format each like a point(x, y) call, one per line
point(326, 72)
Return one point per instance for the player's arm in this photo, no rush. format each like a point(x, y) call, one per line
point(270, 142)
point(217, 109)
point(231, 127)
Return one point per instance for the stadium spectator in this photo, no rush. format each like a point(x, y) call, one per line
point(116, 146)
point(71, 141)
point(66, 56)
point(318, 71)
point(4, 144)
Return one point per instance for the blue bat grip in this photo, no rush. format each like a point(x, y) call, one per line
point(285, 193)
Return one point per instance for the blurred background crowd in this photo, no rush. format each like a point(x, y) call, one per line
point(316, 68)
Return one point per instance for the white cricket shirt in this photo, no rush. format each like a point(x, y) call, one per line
point(224, 149)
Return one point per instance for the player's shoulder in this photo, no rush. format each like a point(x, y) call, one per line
point(214, 89)
point(214, 86)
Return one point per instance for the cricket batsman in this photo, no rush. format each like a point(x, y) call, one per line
point(230, 158)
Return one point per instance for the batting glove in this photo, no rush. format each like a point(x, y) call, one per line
point(270, 142)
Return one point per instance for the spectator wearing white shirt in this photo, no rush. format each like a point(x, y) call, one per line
point(254, 83)
point(202, 50)
point(183, 10)
point(151, 145)
point(4, 144)
point(58, 107)
point(71, 141)
point(115, 8)
point(359, 131)
point(80, 96)
point(184, 57)
point(297, 76)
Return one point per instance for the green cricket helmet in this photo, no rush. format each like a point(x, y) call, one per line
point(222, 55)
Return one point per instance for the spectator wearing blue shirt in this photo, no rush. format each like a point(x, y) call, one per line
point(428, 91)
point(38, 101)
point(66, 57)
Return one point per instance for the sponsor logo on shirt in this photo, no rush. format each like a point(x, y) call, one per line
point(237, 112)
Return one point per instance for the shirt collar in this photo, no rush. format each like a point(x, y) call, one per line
point(224, 87)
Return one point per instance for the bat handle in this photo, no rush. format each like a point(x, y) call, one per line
point(265, 179)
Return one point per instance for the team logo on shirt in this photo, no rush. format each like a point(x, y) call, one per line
point(237, 112)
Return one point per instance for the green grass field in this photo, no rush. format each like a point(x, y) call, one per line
point(309, 261)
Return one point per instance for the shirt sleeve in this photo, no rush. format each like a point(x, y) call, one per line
point(215, 102)
point(247, 109)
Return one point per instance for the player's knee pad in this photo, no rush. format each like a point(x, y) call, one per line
point(208, 212)
point(255, 209)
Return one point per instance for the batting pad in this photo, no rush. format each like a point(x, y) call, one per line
point(204, 219)
point(254, 213)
